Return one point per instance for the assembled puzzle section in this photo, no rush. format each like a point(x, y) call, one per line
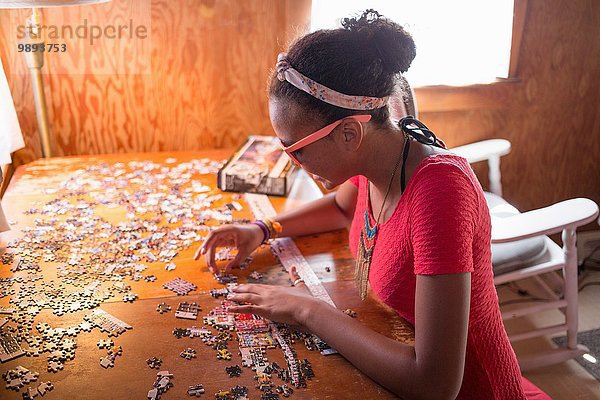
point(187, 310)
point(256, 335)
point(107, 323)
point(9, 347)
point(252, 336)
point(180, 286)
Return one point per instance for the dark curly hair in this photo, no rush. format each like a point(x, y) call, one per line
point(365, 57)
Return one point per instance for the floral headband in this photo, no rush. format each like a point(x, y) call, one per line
point(285, 72)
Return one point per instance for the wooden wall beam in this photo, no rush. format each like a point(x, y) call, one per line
point(519, 17)
point(473, 97)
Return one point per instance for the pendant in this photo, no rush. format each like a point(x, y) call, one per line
point(371, 232)
point(363, 264)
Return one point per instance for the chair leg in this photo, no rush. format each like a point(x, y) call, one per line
point(571, 311)
point(494, 175)
point(571, 286)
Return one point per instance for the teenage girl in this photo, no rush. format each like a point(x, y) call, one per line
point(419, 223)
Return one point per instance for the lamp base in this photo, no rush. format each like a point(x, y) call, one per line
point(35, 62)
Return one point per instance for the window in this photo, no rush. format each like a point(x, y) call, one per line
point(459, 42)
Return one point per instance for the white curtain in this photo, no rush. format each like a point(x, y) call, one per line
point(11, 138)
point(3, 223)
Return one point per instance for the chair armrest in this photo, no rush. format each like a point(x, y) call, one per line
point(483, 150)
point(568, 214)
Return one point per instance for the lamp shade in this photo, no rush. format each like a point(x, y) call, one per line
point(46, 3)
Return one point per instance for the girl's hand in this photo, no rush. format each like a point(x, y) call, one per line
point(245, 238)
point(289, 305)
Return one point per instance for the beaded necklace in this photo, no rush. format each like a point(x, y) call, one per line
point(412, 128)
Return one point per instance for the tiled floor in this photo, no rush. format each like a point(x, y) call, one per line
point(568, 380)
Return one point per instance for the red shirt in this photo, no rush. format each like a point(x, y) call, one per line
point(441, 225)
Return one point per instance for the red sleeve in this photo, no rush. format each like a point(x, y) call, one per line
point(354, 180)
point(442, 221)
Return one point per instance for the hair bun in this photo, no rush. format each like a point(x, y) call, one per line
point(391, 42)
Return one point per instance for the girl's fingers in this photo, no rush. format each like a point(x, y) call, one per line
point(209, 250)
point(293, 273)
point(208, 243)
point(210, 258)
point(246, 309)
point(208, 239)
point(214, 236)
point(251, 288)
point(245, 297)
point(294, 276)
point(218, 241)
point(236, 261)
point(221, 237)
point(202, 248)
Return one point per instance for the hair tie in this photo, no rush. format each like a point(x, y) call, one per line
point(420, 132)
point(282, 65)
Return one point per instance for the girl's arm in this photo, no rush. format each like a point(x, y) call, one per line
point(333, 211)
point(432, 369)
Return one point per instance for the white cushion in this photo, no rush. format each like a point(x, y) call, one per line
point(508, 257)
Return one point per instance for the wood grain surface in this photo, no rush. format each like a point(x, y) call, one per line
point(200, 84)
point(204, 87)
point(151, 336)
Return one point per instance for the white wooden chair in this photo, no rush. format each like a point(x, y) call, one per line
point(521, 248)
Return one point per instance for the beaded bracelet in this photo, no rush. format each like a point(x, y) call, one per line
point(270, 229)
point(274, 227)
point(264, 229)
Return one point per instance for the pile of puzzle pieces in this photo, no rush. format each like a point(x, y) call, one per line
point(95, 260)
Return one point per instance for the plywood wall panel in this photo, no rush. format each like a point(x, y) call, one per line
point(203, 83)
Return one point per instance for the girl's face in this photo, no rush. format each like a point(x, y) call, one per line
point(321, 159)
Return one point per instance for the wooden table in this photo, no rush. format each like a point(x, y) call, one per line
point(83, 377)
